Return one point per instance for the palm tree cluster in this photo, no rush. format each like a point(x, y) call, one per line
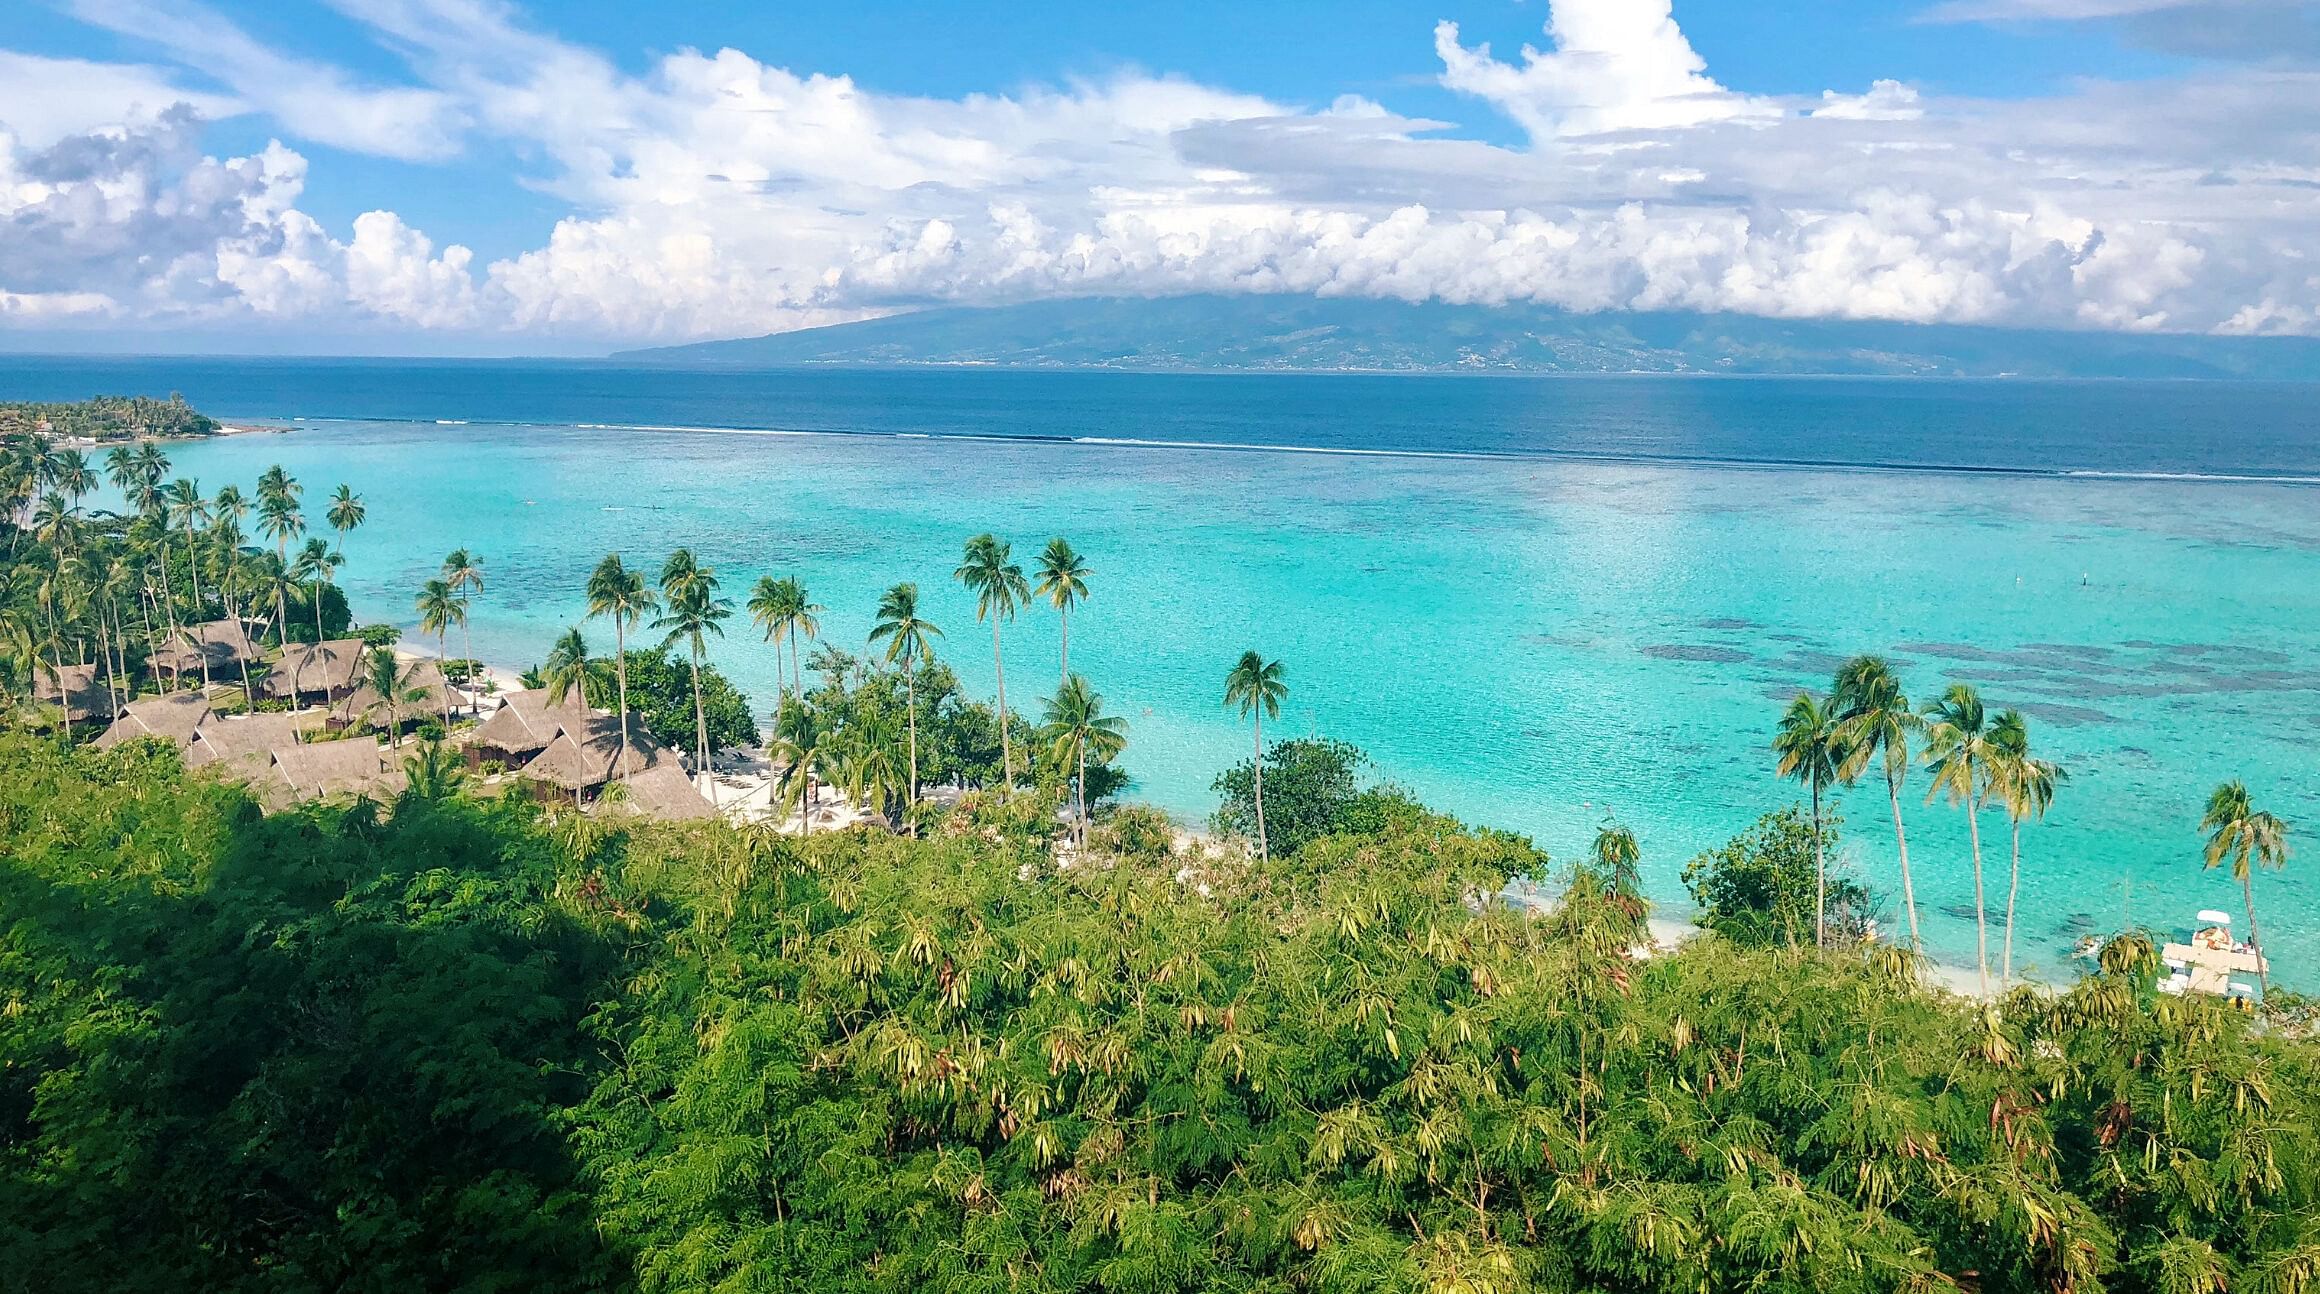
point(82, 586)
point(1975, 760)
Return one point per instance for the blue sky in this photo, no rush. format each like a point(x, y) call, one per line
point(470, 175)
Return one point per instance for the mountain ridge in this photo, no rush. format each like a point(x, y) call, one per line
point(1313, 334)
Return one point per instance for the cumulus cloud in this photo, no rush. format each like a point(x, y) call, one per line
point(714, 194)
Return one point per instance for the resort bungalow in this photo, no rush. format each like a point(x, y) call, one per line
point(584, 756)
point(358, 766)
point(522, 727)
point(74, 690)
point(363, 707)
point(243, 746)
point(316, 672)
point(171, 716)
point(665, 792)
point(222, 644)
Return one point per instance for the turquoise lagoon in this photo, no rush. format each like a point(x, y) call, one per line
point(1536, 636)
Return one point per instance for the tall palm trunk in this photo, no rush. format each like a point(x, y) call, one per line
point(620, 676)
point(1079, 794)
point(701, 724)
point(1006, 747)
point(169, 608)
point(1820, 875)
point(910, 692)
point(318, 619)
point(193, 566)
point(442, 652)
point(2247, 884)
point(1901, 839)
point(1065, 612)
point(1264, 853)
point(467, 644)
point(1981, 913)
point(2013, 890)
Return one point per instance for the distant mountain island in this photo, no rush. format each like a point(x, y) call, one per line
point(1310, 334)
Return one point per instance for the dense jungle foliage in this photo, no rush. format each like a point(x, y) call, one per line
point(454, 1043)
point(107, 417)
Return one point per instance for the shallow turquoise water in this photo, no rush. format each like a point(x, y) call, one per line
point(1528, 643)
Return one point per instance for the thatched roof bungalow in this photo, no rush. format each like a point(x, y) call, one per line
point(665, 792)
point(76, 690)
point(586, 755)
point(224, 644)
point(243, 746)
point(523, 726)
point(360, 766)
point(324, 671)
point(171, 716)
point(365, 708)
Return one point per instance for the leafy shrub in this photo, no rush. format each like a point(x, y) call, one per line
point(1758, 888)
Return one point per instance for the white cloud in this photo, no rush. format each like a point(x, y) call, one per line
point(43, 100)
point(1616, 65)
point(714, 194)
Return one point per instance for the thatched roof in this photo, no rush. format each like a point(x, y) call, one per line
point(365, 706)
point(331, 666)
point(246, 743)
point(75, 688)
point(587, 754)
point(665, 792)
point(527, 721)
point(172, 716)
point(221, 642)
point(356, 767)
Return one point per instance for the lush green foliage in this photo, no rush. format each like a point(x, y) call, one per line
point(460, 1046)
point(1311, 783)
point(660, 688)
point(107, 417)
point(1758, 888)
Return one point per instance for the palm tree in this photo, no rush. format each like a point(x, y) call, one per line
point(346, 512)
point(999, 588)
point(183, 504)
point(464, 573)
point(1257, 686)
point(1810, 751)
point(618, 592)
point(315, 564)
point(1873, 716)
point(2250, 839)
point(689, 591)
point(1957, 750)
point(1063, 581)
point(71, 474)
point(1076, 727)
point(439, 609)
point(2025, 786)
point(804, 742)
point(866, 764)
point(1618, 856)
point(280, 520)
point(911, 641)
point(568, 669)
point(782, 608)
point(391, 679)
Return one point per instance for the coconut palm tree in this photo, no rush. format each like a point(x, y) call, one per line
point(620, 593)
point(280, 520)
point(346, 512)
point(439, 609)
point(1873, 717)
point(689, 592)
point(463, 571)
point(998, 585)
point(788, 615)
point(2238, 831)
point(1063, 581)
point(2025, 787)
point(1810, 751)
point(568, 670)
point(807, 746)
point(1258, 687)
point(182, 503)
point(1076, 728)
point(909, 640)
point(867, 768)
point(391, 679)
point(1958, 753)
point(72, 475)
point(316, 563)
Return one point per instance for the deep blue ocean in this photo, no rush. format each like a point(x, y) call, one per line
point(1538, 603)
